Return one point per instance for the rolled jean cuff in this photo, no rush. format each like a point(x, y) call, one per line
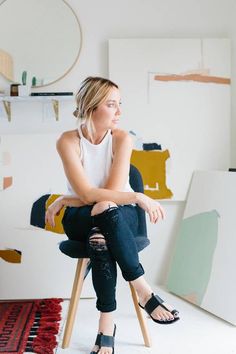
point(129, 276)
point(106, 307)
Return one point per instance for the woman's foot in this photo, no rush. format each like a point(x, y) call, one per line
point(106, 327)
point(163, 312)
point(145, 292)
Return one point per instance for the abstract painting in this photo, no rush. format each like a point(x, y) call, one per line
point(202, 270)
point(177, 92)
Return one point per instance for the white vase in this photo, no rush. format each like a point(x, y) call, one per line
point(24, 90)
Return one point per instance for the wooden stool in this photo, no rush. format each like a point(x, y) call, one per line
point(75, 297)
point(76, 249)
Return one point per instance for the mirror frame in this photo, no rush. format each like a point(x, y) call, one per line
point(77, 56)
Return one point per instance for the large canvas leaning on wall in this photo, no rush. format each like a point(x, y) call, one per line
point(203, 266)
point(31, 265)
point(176, 92)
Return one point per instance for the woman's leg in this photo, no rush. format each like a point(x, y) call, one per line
point(104, 275)
point(78, 226)
point(118, 225)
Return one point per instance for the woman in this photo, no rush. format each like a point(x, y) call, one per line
point(101, 206)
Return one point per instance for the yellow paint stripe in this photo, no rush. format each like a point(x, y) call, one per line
point(11, 256)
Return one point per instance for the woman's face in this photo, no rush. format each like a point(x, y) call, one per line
point(107, 114)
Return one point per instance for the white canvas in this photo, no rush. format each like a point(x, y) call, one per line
point(34, 164)
point(203, 266)
point(189, 118)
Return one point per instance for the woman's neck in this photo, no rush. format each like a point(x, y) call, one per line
point(97, 136)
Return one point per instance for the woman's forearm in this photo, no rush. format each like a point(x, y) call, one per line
point(71, 201)
point(95, 195)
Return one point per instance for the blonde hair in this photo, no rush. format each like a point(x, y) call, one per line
point(92, 92)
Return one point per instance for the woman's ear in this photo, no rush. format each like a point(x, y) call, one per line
point(75, 113)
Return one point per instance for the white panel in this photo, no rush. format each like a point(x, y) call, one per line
point(44, 271)
point(191, 119)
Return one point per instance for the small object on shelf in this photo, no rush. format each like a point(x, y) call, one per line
point(52, 94)
point(34, 81)
point(23, 90)
point(14, 89)
point(24, 77)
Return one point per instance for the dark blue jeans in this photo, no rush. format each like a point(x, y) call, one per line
point(119, 226)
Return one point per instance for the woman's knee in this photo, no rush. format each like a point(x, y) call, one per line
point(97, 241)
point(100, 207)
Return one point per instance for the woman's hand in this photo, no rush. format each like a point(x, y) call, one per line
point(151, 206)
point(54, 209)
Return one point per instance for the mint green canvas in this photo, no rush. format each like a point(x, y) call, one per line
point(192, 262)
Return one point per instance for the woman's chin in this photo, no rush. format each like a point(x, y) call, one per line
point(115, 123)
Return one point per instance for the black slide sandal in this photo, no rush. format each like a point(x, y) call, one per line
point(153, 303)
point(105, 341)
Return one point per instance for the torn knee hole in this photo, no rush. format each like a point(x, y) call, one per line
point(97, 241)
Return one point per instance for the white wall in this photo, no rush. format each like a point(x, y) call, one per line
point(101, 20)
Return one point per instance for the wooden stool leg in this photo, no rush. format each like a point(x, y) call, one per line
point(142, 320)
point(75, 296)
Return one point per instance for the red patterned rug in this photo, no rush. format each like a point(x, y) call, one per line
point(29, 326)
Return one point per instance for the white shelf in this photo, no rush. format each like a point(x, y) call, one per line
point(7, 101)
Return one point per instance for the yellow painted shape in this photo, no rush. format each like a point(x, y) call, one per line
point(11, 256)
point(152, 166)
point(58, 218)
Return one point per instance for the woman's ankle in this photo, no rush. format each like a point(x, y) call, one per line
point(142, 288)
point(106, 323)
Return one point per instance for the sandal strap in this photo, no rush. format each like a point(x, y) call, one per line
point(106, 341)
point(98, 339)
point(152, 303)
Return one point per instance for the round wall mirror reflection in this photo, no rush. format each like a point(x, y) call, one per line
point(41, 37)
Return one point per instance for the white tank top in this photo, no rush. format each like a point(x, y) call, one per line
point(97, 161)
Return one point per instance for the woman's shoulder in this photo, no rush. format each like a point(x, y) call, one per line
point(120, 136)
point(70, 137)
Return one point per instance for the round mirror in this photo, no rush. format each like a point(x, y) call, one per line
point(40, 37)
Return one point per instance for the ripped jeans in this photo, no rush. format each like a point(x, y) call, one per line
point(110, 239)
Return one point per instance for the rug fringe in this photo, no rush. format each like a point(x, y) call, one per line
point(42, 338)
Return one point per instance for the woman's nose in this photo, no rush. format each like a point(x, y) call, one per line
point(118, 110)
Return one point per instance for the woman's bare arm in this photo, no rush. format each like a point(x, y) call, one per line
point(68, 150)
point(122, 145)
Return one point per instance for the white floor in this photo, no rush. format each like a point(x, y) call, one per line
point(197, 332)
